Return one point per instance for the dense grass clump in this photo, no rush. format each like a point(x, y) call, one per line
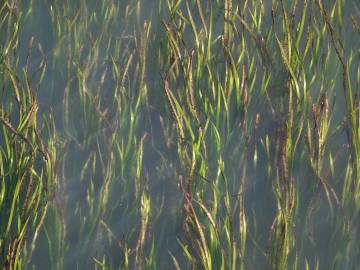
point(179, 134)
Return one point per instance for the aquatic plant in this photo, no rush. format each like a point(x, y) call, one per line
point(179, 134)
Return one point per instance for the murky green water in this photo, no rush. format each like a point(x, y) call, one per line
point(117, 142)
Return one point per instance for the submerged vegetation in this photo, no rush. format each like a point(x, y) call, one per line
point(179, 134)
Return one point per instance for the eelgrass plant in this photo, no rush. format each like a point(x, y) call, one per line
point(282, 43)
point(179, 134)
point(26, 166)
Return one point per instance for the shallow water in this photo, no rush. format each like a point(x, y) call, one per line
point(161, 167)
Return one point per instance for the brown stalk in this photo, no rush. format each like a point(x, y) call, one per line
point(13, 130)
